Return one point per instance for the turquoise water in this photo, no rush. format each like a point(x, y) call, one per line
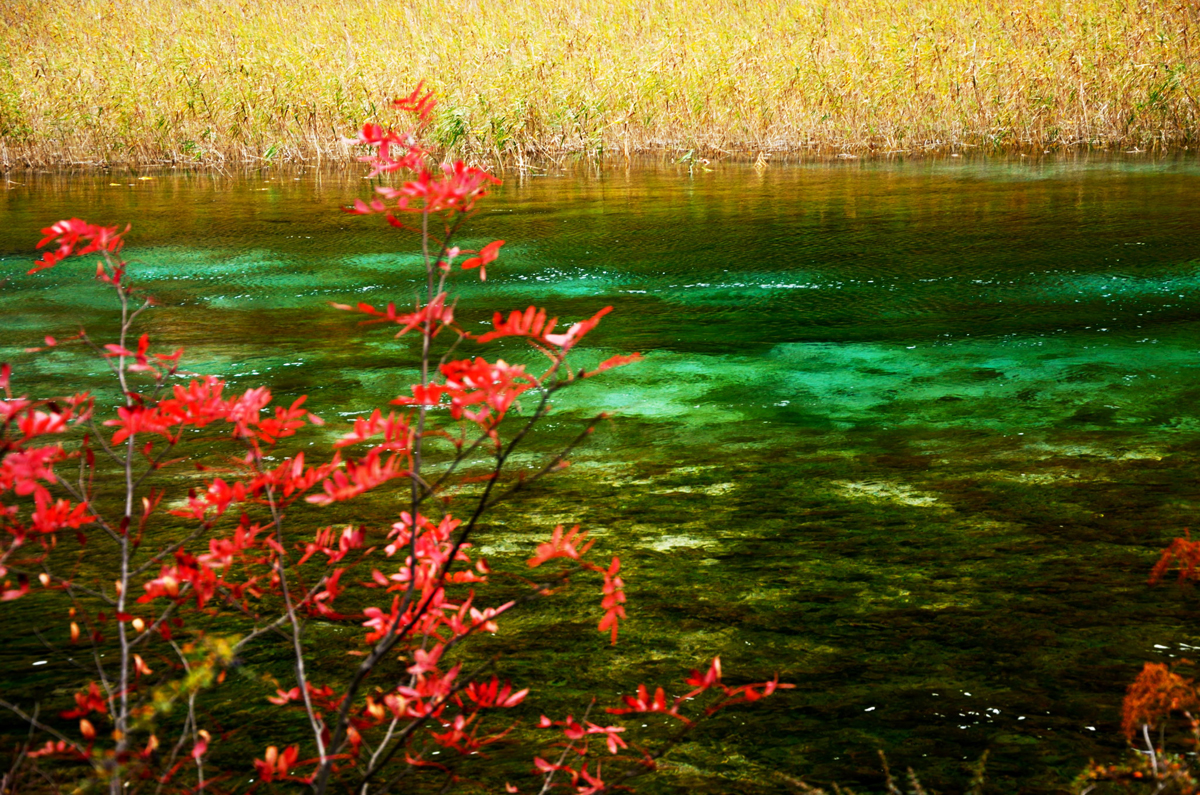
point(909, 434)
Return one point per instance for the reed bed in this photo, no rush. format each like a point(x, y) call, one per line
point(212, 81)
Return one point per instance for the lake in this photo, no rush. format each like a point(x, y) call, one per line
point(910, 434)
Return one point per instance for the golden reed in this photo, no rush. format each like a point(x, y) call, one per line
point(185, 81)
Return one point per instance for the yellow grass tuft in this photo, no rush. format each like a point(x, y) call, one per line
point(99, 81)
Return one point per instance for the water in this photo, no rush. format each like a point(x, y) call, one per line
point(909, 434)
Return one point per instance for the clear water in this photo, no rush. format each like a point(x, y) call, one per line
point(909, 434)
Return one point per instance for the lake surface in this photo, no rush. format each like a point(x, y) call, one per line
point(910, 434)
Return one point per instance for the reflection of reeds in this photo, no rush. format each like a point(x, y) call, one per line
point(187, 80)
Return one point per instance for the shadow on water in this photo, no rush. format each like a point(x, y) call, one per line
point(908, 434)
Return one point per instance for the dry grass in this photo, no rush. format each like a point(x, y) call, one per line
point(102, 81)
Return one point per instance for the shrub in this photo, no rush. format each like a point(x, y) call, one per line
point(161, 594)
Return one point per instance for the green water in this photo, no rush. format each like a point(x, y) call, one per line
point(908, 434)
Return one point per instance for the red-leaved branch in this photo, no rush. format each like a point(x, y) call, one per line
point(215, 520)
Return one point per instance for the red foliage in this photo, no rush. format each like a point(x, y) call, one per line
point(1182, 551)
point(1155, 694)
point(244, 553)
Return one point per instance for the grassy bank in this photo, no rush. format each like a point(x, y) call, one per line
point(91, 81)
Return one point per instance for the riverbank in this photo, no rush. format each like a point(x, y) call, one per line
point(84, 82)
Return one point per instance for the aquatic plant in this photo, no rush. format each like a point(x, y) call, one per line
point(90, 81)
point(156, 597)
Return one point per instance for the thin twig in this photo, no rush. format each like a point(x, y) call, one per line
point(33, 721)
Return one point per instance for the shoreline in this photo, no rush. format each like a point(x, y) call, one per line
point(681, 156)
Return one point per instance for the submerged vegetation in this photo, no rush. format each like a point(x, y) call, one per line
point(209, 81)
point(918, 454)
